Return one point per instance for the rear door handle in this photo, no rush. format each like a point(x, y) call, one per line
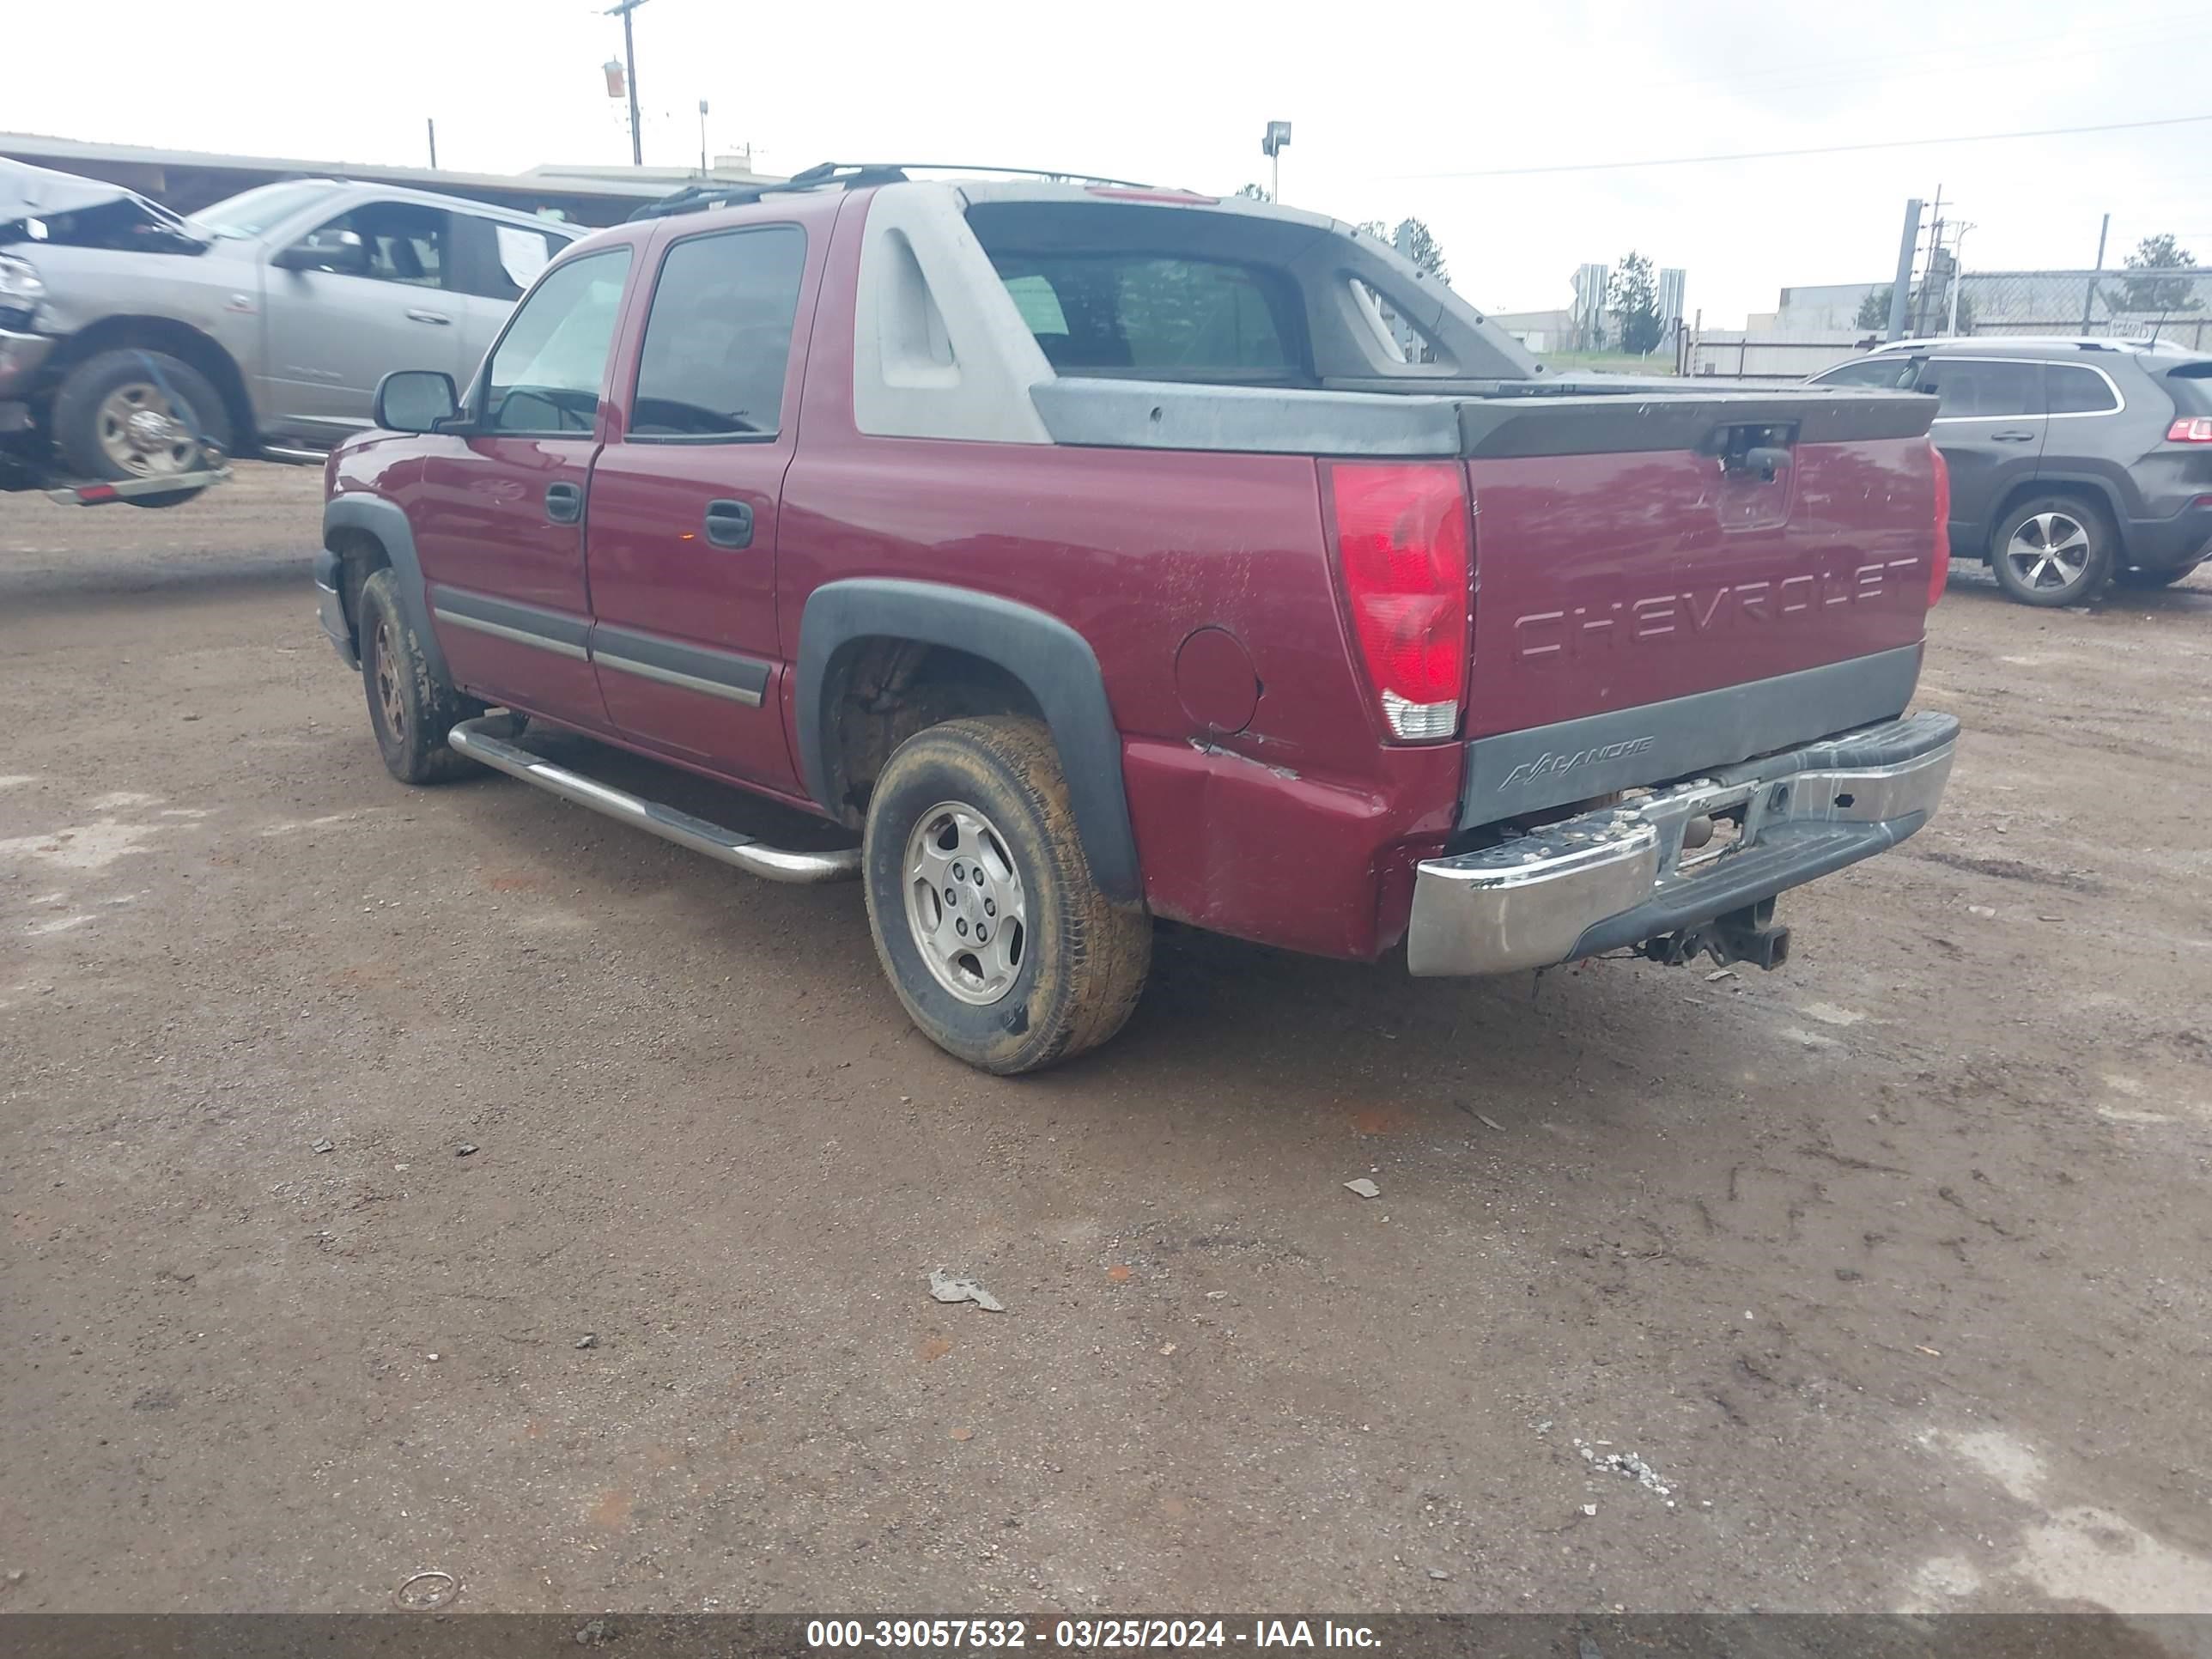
point(730, 524)
point(421, 315)
point(564, 502)
point(2014, 435)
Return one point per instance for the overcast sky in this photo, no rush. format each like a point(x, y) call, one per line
point(1397, 110)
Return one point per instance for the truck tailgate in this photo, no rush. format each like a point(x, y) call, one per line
point(1677, 599)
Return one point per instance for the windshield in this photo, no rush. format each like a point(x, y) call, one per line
point(242, 217)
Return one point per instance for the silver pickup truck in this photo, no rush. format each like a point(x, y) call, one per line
point(138, 348)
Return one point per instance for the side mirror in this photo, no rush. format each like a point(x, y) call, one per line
point(416, 400)
point(341, 251)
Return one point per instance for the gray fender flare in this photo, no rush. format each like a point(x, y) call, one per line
point(1044, 652)
point(386, 522)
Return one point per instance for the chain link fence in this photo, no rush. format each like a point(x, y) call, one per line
point(2172, 305)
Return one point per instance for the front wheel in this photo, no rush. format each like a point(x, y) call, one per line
point(985, 918)
point(410, 706)
point(2053, 550)
point(132, 414)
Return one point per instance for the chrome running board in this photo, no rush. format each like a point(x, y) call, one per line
point(483, 740)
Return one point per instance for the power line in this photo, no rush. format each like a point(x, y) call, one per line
point(1816, 149)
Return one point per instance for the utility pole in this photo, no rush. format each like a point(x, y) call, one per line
point(1957, 274)
point(702, 138)
point(1901, 290)
point(431, 121)
point(623, 9)
point(2089, 296)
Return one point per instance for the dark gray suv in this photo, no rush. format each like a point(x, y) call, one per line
point(2072, 460)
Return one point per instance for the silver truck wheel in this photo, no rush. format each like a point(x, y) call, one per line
point(140, 433)
point(965, 902)
point(999, 943)
point(134, 414)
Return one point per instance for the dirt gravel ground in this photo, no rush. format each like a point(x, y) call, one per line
point(1890, 1268)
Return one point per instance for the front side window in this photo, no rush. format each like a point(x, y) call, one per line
point(1158, 316)
point(404, 243)
point(545, 374)
point(1968, 389)
point(257, 211)
point(718, 337)
point(1886, 371)
point(2077, 390)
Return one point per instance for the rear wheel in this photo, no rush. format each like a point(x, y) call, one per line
point(985, 915)
point(410, 707)
point(130, 415)
point(2053, 550)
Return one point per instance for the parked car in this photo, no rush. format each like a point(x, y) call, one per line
point(2072, 460)
point(1099, 554)
point(133, 338)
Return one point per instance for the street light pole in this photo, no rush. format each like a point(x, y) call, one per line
point(622, 10)
point(1271, 146)
point(702, 138)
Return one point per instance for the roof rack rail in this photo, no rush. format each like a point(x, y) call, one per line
point(846, 175)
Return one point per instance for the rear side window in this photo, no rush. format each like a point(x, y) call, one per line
point(546, 372)
point(1971, 389)
point(2077, 390)
point(1157, 317)
point(507, 257)
point(718, 337)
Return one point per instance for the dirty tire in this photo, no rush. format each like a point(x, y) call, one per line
point(2066, 514)
point(1084, 960)
point(77, 414)
point(410, 707)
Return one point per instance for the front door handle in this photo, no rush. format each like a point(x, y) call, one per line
point(2014, 436)
point(564, 502)
point(730, 524)
point(421, 315)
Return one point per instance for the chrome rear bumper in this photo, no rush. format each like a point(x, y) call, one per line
point(1619, 876)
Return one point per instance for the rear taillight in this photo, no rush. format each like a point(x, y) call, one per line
point(1939, 559)
point(2191, 429)
point(1401, 542)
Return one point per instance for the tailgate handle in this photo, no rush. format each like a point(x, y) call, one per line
point(1759, 447)
point(1766, 460)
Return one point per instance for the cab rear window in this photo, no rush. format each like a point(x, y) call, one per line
point(1154, 316)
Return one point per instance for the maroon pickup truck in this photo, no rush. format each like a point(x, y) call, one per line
point(1094, 554)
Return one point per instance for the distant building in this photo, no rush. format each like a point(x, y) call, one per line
point(1673, 279)
point(1593, 284)
point(1540, 332)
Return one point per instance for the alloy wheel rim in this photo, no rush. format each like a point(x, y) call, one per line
point(2049, 551)
point(139, 432)
point(965, 906)
point(387, 683)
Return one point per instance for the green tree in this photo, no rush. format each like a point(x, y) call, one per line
point(1635, 300)
point(1873, 310)
point(2146, 291)
point(1422, 247)
point(1255, 194)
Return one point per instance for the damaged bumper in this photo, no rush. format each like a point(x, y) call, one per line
point(1622, 875)
point(22, 357)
